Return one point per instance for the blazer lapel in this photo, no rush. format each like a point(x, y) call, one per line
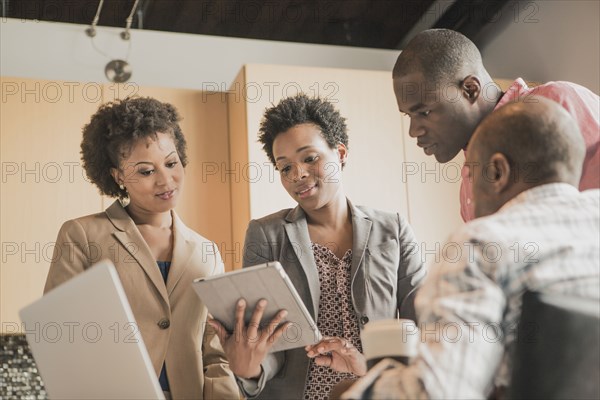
point(133, 242)
point(361, 227)
point(182, 252)
point(297, 232)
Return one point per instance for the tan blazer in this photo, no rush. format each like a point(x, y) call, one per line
point(170, 317)
point(386, 269)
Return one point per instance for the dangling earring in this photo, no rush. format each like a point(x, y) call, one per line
point(124, 200)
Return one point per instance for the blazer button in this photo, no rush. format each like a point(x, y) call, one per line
point(364, 320)
point(164, 323)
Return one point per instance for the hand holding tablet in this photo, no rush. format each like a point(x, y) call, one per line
point(255, 311)
point(249, 344)
point(268, 282)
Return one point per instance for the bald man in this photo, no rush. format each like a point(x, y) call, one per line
point(441, 84)
point(535, 231)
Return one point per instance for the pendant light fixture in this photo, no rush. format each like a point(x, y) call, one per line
point(117, 70)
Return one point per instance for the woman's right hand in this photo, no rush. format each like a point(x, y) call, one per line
point(247, 346)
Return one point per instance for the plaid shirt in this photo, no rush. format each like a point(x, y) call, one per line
point(545, 239)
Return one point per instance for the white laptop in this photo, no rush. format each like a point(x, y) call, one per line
point(85, 341)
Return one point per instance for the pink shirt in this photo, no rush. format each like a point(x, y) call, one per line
point(581, 103)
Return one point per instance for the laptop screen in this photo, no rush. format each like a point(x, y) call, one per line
point(85, 341)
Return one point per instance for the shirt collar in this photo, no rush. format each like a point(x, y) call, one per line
point(540, 192)
point(513, 92)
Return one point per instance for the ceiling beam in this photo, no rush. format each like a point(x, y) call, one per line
point(469, 17)
point(427, 20)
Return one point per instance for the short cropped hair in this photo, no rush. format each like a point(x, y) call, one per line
point(301, 109)
point(109, 136)
point(439, 54)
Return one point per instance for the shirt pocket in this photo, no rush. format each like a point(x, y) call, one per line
point(387, 253)
point(381, 272)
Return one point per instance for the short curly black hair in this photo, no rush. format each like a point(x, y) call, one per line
point(301, 109)
point(112, 131)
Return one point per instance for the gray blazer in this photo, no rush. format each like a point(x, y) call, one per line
point(386, 269)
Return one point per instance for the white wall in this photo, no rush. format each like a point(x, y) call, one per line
point(547, 40)
point(60, 51)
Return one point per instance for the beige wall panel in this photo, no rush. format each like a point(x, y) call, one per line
point(503, 83)
point(206, 202)
point(365, 99)
point(433, 195)
point(239, 156)
point(43, 182)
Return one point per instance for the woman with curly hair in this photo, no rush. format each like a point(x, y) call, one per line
point(350, 264)
point(134, 150)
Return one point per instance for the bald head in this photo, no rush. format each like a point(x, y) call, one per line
point(538, 137)
point(441, 55)
point(527, 143)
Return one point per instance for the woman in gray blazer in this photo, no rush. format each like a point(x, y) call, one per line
point(350, 264)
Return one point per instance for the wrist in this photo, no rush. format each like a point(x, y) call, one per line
point(254, 373)
point(361, 367)
point(360, 374)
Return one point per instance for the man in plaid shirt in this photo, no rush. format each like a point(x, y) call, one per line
point(534, 231)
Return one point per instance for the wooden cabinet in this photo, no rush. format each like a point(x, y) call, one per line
point(43, 182)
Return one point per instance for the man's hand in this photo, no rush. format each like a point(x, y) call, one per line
point(338, 354)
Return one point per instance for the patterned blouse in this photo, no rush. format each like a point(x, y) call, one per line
point(336, 317)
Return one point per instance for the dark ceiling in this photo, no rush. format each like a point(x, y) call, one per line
point(385, 24)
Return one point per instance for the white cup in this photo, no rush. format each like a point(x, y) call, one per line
point(389, 338)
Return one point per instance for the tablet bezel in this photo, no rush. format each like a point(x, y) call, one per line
point(220, 294)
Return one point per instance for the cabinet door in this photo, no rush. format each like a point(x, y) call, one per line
point(43, 182)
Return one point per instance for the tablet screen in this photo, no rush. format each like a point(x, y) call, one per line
point(269, 281)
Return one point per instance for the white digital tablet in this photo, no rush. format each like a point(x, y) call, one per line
point(269, 281)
